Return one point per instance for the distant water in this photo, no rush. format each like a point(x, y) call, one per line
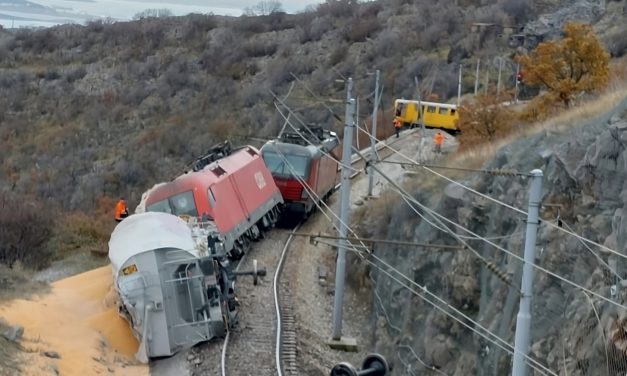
point(12, 23)
point(46, 13)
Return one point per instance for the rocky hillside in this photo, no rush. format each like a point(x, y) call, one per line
point(89, 113)
point(573, 332)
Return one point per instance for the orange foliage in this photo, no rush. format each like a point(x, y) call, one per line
point(567, 67)
point(483, 120)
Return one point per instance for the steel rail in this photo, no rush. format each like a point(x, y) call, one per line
point(279, 327)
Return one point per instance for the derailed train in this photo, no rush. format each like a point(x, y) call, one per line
point(172, 288)
point(173, 276)
point(231, 190)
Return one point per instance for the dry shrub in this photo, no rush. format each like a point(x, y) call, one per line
point(475, 157)
point(618, 73)
point(338, 55)
point(79, 232)
point(483, 120)
point(360, 29)
point(541, 108)
point(25, 226)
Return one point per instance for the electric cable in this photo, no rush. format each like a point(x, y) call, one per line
point(422, 287)
point(309, 141)
point(563, 279)
point(555, 226)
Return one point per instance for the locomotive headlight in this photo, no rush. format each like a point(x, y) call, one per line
point(304, 195)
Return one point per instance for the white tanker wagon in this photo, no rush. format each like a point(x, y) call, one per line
point(173, 288)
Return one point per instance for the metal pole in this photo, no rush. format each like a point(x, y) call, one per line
point(357, 124)
point(487, 79)
point(340, 271)
point(459, 87)
point(373, 141)
point(477, 76)
point(523, 320)
point(516, 79)
point(498, 83)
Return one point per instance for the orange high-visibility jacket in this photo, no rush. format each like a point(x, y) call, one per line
point(397, 123)
point(120, 209)
point(439, 138)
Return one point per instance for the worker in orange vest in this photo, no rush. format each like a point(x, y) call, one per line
point(438, 140)
point(121, 210)
point(397, 126)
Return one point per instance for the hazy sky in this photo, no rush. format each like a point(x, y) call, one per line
point(125, 9)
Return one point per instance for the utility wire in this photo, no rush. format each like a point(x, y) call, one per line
point(511, 349)
point(277, 99)
point(413, 200)
point(411, 281)
point(555, 226)
point(308, 141)
point(595, 255)
point(505, 172)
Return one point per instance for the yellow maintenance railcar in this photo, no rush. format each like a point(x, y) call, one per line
point(436, 115)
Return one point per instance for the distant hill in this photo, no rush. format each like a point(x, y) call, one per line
point(23, 13)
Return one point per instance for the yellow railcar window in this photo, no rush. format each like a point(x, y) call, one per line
point(431, 109)
point(443, 111)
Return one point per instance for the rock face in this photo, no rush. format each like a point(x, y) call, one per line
point(550, 25)
point(574, 333)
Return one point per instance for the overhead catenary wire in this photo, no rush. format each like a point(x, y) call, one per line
point(554, 275)
point(277, 99)
point(563, 279)
point(548, 223)
point(317, 97)
point(505, 172)
point(504, 345)
point(309, 142)
point(595, 254)
point(411, 281)
point(408, 366)
point(520, 211)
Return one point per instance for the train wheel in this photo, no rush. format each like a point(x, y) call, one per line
point(344, 369)
point(237, 252)
point(255, 232)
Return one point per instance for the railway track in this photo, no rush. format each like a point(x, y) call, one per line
point(247, 350)
point(265, 341)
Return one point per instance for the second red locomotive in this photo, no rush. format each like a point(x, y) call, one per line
point(307, 157)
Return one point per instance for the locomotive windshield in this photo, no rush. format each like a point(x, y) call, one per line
point(286, 165)
point(180, 204)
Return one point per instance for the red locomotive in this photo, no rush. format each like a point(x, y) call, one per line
point(307, 156)
point(229, 190)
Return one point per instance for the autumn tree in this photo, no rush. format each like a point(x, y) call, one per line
point(483, 119)
point(569, 66)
